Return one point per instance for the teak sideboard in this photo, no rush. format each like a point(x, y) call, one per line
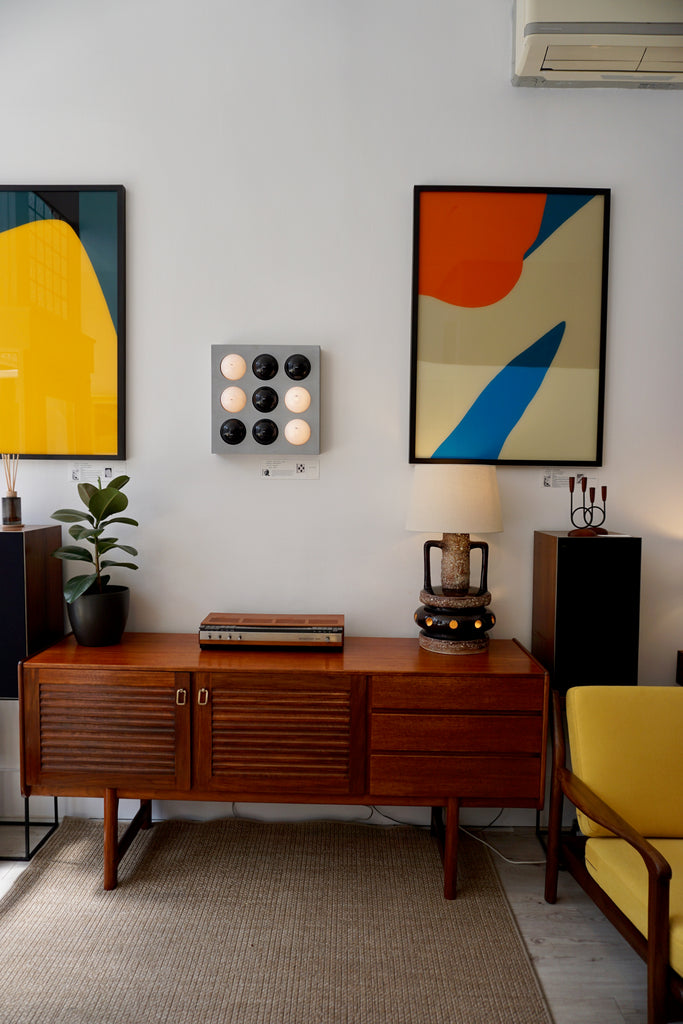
point(381, 722)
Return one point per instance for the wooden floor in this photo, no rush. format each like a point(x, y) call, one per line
point(589, 974)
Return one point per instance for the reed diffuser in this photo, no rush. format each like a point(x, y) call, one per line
point(11, 503)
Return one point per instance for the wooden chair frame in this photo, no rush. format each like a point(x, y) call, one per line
point(664, 986)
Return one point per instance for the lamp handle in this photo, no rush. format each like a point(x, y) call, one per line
point(428, 545)
point(481, 544)
point(483, 581)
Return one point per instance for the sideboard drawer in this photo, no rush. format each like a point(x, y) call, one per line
point(504, 734)
point(430, 776)
point(458, 693)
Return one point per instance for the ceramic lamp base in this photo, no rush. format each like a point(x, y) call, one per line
point(454, 623)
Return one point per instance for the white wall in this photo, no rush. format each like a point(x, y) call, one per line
point(269, 150)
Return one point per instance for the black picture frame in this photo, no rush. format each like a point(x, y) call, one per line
point(508, 327)
point(63, 321)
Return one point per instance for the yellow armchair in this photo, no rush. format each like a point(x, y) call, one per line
point(626, 782)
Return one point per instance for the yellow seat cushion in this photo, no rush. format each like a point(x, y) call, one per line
point(620, 872)
point(625, 744)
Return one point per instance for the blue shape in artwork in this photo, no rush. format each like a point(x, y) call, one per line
point(558, 208)
point(484, 428)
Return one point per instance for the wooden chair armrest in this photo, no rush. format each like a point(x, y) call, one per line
point(583, 797)
point(659, 877)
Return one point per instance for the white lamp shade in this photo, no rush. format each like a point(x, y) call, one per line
point(454, 498)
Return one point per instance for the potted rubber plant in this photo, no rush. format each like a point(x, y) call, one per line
point(97, 609)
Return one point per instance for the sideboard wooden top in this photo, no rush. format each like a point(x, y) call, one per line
point(180, 652)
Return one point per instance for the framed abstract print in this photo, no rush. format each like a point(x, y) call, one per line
point(62, 321)
point(508, 325)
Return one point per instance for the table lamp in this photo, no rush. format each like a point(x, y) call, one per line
point(455, 500)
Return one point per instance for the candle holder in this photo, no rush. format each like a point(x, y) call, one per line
point(592, 516)
point(11, 503)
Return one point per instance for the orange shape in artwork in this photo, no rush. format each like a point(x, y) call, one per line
point(472, 244)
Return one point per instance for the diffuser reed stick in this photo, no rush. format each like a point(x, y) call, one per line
point(10, 463)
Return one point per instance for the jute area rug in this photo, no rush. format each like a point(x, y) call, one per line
point(236, 922)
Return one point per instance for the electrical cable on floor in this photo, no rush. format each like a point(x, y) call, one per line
point(356, 821)
point(411, 824)
point(516, 863)
point(397, 821)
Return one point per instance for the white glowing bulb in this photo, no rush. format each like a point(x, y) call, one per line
point(297, 399)
point(233, 399)
point(233, 366)
point(297, 432)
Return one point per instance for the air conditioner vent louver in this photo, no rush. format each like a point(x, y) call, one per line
point(556, 44)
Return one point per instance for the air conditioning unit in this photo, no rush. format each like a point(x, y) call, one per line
point(637, 43)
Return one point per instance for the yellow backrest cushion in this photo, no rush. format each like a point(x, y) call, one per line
point(626, 743)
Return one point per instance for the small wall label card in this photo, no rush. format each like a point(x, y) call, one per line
point(265, 398)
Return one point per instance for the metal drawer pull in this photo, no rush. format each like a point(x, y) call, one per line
point(181, 697)
point(203, 697)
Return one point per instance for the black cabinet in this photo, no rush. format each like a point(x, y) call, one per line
point(31, 598)
point(586, 608)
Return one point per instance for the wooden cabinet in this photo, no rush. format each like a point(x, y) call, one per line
point(31, 599)
point(382, 721)
point(585, 590)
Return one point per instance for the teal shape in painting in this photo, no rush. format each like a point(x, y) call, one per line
point(484, 428)
point(557, 209)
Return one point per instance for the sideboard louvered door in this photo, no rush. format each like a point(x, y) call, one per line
point(101, 729)
point(280, 734)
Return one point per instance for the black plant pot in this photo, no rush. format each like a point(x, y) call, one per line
point(98, 620)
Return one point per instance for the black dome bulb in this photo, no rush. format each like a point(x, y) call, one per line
point(264, 431)
point(264, 366)
point(233, 431)
point(297, 367)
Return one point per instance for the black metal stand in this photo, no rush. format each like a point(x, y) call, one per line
point(27, 824)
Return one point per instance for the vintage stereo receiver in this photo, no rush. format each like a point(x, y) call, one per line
point(224, 630)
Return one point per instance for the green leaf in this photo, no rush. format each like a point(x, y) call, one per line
point(86, 491)
point(118, 482)
point(122, 565)
point(106, 503)
point(70, 515)
point(84, 533)
point(76, 586)
point(123, 519)
point(106, 545)
point(73, 552)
